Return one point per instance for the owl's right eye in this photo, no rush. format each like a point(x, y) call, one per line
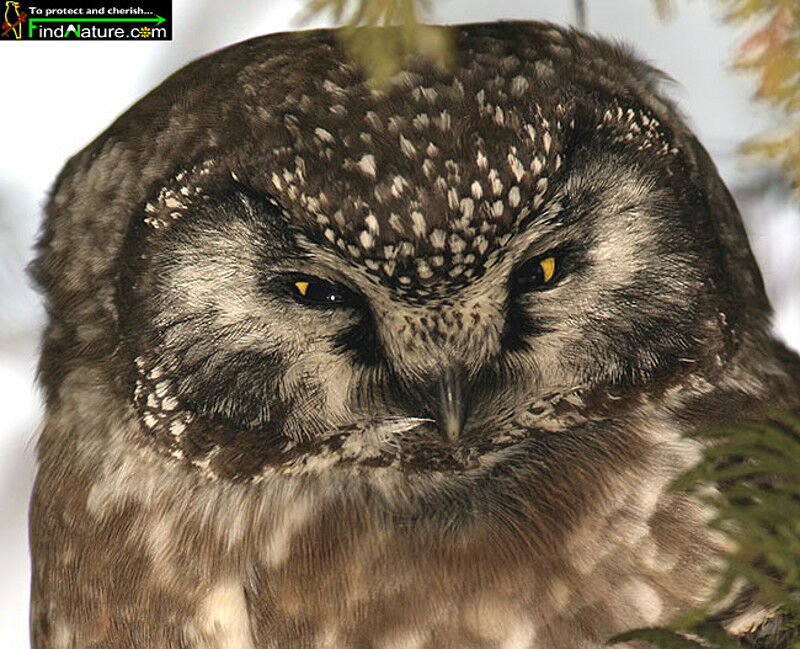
point(317, 292)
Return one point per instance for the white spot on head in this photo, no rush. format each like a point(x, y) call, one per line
point(513, 196)
point(418, 220)
point(324, 135)
point(516, 166)
point(398, 183)
point(407, 147)
point(176, 428)
point(546, 140)
point(467, 208)
point(438, 239)
point(367, 165)
point(396, 223)
point(497, 184)
point(457, 244)
point(421, 121)
point(332, 88)
point(366, 240)
point(430, 94)
point(452, 198)
point(499, 117)
point(531, 131)
point(405, 249)
point(372, 224)
point(477, 190)
point(455, 271)
point(373, 120)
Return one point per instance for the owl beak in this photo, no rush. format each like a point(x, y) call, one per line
point(451, 405)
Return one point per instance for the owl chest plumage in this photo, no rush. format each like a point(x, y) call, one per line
point(436, 587)
point(343, 561)
point(485, 573)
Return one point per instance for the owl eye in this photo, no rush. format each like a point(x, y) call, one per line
point(317, 292)
point(536, 274)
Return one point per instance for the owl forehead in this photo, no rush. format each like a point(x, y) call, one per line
point(422, 185)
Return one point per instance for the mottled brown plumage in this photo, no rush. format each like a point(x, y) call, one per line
point(329, 367)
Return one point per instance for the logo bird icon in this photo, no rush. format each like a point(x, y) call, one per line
point(13, 20)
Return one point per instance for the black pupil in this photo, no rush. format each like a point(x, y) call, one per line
point(531, 275)
point(323, 293)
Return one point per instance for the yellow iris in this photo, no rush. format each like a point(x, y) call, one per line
point(548, 265)
point(302, 287)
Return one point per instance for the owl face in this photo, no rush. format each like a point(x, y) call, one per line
point(417, 278)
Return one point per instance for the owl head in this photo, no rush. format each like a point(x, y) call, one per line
point(275, 266)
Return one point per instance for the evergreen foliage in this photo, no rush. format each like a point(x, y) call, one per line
point(381, 57)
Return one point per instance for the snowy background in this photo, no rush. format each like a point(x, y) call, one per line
point(59, 96)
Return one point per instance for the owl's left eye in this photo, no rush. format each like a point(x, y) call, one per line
point(536, 274)
point(317, 292)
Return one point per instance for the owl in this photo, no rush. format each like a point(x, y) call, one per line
point(408, 367)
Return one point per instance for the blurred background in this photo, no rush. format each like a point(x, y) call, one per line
point(59, 96)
